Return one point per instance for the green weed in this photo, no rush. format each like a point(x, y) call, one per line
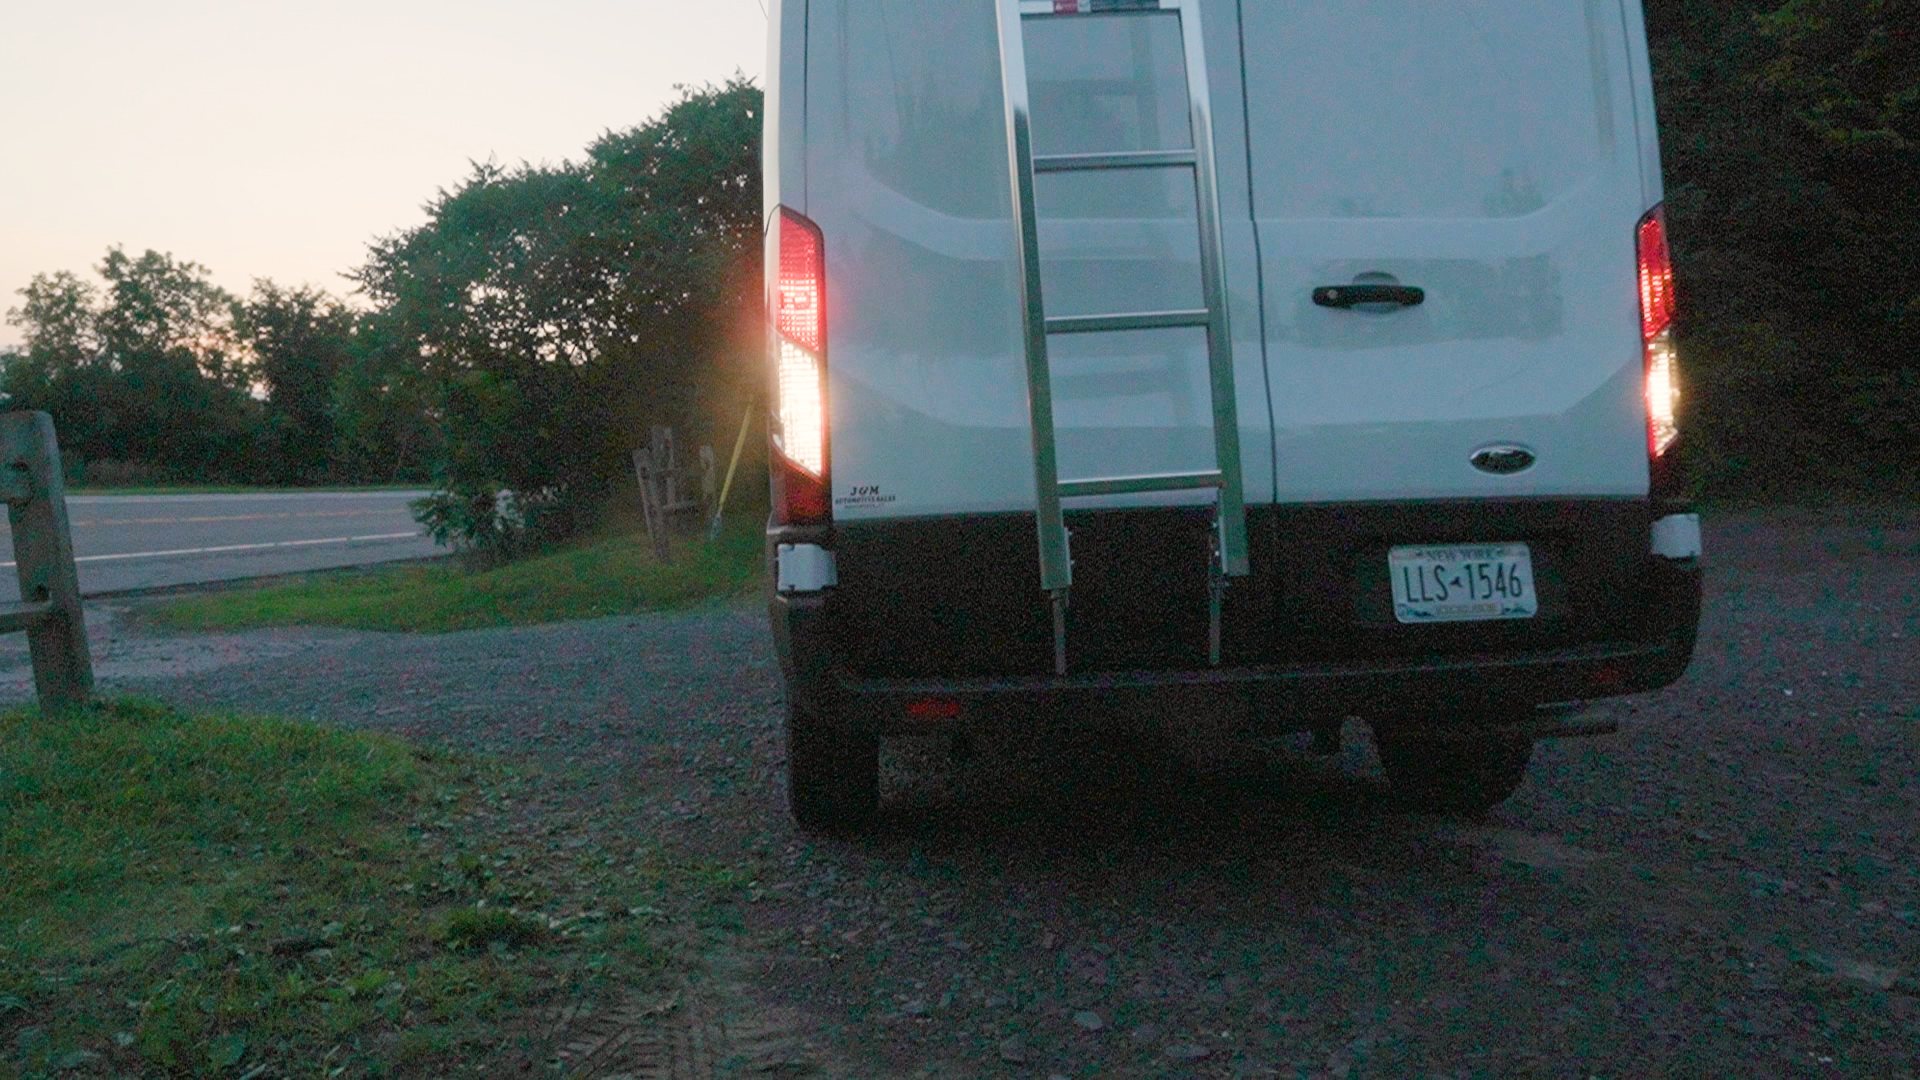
point(479, 927)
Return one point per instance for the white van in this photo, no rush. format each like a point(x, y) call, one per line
point(1313, 357)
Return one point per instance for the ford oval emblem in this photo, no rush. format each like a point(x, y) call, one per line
point(1502, 460)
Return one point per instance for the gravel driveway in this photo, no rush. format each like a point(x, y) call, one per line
point(1725, 888)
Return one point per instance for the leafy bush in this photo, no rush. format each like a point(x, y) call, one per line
point(490, 527)
point(560, 311)
point(108, 473)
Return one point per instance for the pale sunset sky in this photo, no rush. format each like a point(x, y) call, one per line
point(266, 139)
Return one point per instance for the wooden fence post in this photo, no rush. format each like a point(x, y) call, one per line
point(49, 608)
point(653, 502)
point(670, 487)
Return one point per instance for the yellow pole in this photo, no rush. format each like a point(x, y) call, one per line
point(739, 444)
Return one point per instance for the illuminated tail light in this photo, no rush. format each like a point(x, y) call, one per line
point(933, 708)
point(1656, 333)
point(800, 361)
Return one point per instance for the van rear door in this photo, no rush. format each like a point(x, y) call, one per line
point(907, 176)
point(1486, 154)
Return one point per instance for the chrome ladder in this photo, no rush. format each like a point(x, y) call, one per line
point(1229, 557)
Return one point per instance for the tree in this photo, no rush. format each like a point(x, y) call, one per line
point(1793, 202)
point(300, 339)
point(509, 329)
point(685, 242)
point(167, 332)
point(1850, 70)
point(162, 375)
point(58, 317)
point(385, 428)
point(146, 372)
point(557, 311)
point(159, 311)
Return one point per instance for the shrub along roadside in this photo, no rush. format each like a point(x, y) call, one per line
point(606, 577)
point(208, 895)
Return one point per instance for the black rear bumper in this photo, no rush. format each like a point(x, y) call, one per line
point(935, 623)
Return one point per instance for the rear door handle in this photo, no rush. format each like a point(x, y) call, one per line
point(1346, 296)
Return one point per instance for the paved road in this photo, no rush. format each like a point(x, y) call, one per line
point(144, 541)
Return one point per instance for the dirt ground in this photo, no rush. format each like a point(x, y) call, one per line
point(1727, 887)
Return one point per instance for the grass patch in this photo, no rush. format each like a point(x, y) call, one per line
point(611, 576)
point(210, 895)
point(478, 928)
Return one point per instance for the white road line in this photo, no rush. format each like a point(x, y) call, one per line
point(266, 496)
point(238, 547)
point(117, 522)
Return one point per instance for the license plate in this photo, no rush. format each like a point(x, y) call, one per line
point(1462, 582)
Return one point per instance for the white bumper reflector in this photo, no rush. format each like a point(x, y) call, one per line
point(1677, 536)
point(804, 568)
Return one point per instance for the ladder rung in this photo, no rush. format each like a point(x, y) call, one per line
point(1085, 7)
point(1134, 485)
point(1125, 159)
point(1142, 320)
point(22, 614)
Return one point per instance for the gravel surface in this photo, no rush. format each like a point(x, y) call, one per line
point(1725, 888)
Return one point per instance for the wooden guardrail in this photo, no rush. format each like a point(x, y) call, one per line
point(670, 488)
point(49, 605)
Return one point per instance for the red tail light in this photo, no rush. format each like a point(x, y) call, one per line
point(802, 316)
point(800, 373)
point(1656, 333)
point(1656, 274)
point(933, 708)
